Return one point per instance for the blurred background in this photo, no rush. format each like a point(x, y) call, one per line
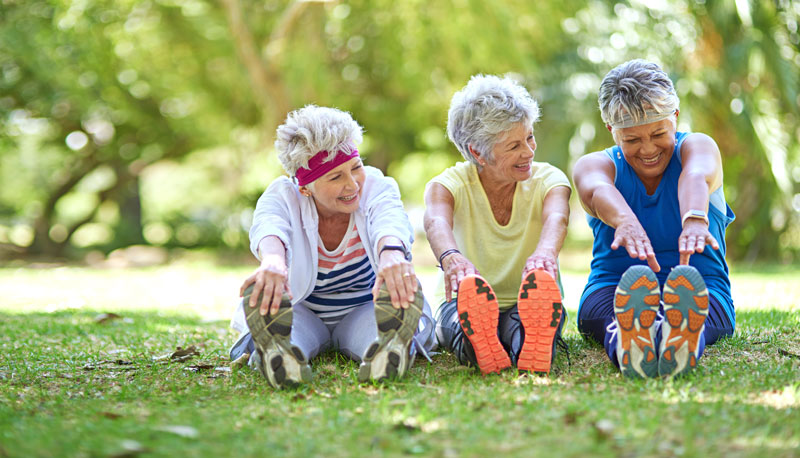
point(150, 123)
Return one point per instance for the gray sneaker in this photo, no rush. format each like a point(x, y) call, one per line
point(281, 363)
point(390, 355)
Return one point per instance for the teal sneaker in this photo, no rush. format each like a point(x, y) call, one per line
point(636, 303)
point(685, 313)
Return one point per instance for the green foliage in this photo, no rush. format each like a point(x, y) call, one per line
point(140, 93)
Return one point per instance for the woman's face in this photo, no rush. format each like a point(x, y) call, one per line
point(513, 155)
point(648, 148)
point(339, 191)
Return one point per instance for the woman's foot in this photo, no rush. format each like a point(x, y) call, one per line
point(635, 308)
point(540, 312)
point(478, 314)
point(685, 312)
point(281, 363)
point(390, 355)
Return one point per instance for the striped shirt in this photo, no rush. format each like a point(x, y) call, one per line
point(344, 278)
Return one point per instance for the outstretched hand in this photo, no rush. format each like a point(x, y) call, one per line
point(694, 238)
point(270, 279)
point(543, 261)
point(632, 236)
point(455, 267)
point(399, 276)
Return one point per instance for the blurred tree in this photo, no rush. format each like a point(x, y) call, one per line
point(128, 118)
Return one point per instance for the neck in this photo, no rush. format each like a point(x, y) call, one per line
point(329, 216)
point(493, 186)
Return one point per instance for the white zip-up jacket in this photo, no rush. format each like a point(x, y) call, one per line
point(285, 213)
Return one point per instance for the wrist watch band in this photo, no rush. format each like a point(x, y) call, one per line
point(401, 248)
point(697, 214)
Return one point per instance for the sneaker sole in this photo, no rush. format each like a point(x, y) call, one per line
point(478, 314)
point(389, 356)
point(282, 364)
point(685, 312)
point(540, 311)
point(636, 302)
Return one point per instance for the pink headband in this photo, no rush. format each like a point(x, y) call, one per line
point(317, 165)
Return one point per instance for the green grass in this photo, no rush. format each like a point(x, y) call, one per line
point(72, 387)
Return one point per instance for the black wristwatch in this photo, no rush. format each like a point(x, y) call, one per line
point(406, 254)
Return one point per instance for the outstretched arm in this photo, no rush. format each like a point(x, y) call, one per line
point(594, 179)
point(555, 217)
point(439, 204)
point(271, 278)
point(701, 175)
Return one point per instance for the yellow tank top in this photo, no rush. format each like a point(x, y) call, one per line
point(498, 252)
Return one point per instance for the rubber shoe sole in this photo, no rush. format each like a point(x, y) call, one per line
point(540, 311)
point(636, 302)
point(685, 313)
point(478, 314)
point(282, 364)
point(389, 356)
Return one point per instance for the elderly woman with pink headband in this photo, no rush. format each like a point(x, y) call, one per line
point(333, 241)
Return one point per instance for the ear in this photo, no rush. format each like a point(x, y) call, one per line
point(677, 112)
point(608, 126)
point(475, 154)
point(305, 191)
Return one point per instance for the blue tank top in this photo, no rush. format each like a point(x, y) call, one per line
point(660, 217)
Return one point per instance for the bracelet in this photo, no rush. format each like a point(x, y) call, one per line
point(445, 254)
point(406, 254)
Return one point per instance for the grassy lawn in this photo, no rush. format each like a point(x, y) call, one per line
point(72, 386)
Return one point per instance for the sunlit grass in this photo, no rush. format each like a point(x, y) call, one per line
point(72, 387)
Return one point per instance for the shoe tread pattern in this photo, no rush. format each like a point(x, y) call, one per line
point(540, 312)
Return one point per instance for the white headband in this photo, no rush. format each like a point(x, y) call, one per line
point(650, 116)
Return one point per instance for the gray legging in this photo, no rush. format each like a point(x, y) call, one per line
point(351, 336)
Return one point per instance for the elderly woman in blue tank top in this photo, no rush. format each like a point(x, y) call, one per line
point(659, 290)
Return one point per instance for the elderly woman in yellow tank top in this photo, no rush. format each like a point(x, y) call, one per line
point(496, 223)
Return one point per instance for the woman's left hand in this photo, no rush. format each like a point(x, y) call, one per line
point(694, 238)
point(399, 276)
point(541, 260)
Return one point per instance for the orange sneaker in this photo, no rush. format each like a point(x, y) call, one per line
point(540, 312)
point(478, 315)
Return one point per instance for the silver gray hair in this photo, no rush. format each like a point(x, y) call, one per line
point(312, 129)
point(635, 92)
point(484, 110)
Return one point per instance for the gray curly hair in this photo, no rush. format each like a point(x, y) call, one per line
point(312, 129)
point(636, 92)
point(484, 110)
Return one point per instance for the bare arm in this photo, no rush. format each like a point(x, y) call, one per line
point(438, 220)
point(555, 217)
point(271, 278)
point(594, 180)
point(700, 176)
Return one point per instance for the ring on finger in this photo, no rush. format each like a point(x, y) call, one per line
point(406, 274)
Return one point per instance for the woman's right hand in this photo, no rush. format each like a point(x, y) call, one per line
point(455, 267)
point(271, 279)
point(631, 235)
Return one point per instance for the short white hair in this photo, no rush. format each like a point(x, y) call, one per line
point(312, 129)
point(632, 88)
point(484, 110)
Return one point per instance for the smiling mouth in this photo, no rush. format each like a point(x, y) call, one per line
point(651, 161)
point(348, 199)
point(524, 166)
